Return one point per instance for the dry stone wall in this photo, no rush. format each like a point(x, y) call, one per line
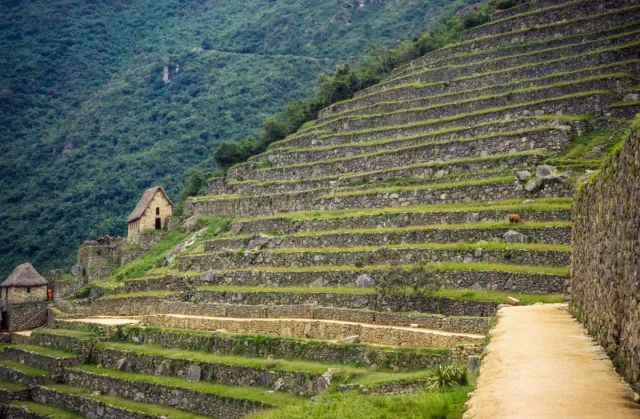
point(605, 280)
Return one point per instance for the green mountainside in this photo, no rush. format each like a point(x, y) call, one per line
point(87, 122)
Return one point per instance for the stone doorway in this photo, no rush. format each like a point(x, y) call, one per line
point(158, 223)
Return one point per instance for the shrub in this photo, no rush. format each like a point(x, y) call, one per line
point(448, 375)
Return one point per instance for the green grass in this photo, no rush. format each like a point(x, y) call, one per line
point(347, 374)
point(78, 334)
point(252, 393)
point(45, 411)
point(41, 350)
point(445, 266)
point(5, 385)
point(504, 205)
point(458, 293)
point(24, 368)
point(447, 404)
point(581, 144)
point(480, 97)
point(530, 13)
point(447, 163)
point(387, 230)
point(498, 296)
point(150, 409)
point(156, 293)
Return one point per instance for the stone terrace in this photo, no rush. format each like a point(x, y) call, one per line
point(368, 247)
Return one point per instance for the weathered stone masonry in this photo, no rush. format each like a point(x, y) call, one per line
point(605, 281)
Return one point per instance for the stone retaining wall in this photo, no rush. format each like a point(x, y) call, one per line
point(85, 406)
point(382, 255)
point(460, 89)
point(63, 288)
point(265, 205)
point(17, 412)
point(65, 343)
point(605, 281)
point(566, 11)
point(401, 157)
point(7, 396)
point(178, 397)
point(434, 172)
point(44, 362)
point(557, 235)
point(315, 329)
point(14, 376)
point(284, 225)
point(472, 101)
point(300, 382)
point(27, 316)
point(422, 278)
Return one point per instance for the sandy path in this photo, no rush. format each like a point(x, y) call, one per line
point(541, 364)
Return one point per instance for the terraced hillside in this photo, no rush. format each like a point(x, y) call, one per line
point(369, 247)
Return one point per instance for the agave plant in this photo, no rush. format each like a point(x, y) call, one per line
point(448, 375)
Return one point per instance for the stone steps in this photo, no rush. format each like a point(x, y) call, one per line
point(539, 211)
point(580, 103)
point(33, 410)
point(528, 254)
point(513, 49)
point(463, 192)
point(280, 347)
point(502, 143)
point(318, 329)
point(458, 169)
point(456, 90)
point(15, 372)
point(85, 402)
point(10, 392)
point(517, 90)
point(527, 7)
point(385, 236)
point(546, 16)
point(492, 73)
point(198, 397)
point(206, 367)
point(55, 361)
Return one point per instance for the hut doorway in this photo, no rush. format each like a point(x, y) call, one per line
point(4, 321)
point(158, 223)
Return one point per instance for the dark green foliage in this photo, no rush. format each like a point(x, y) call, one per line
point(87, 123)
point(506, 4)
point(448, 375)
point(378, 63)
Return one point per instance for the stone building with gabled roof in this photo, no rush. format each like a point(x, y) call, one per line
point(150, 213)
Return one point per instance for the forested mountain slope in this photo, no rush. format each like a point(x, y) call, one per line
point(87, 122)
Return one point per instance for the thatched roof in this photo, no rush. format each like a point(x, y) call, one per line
point(144, 202)
point(24, 275)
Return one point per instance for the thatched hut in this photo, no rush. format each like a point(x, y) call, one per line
point(23, 299)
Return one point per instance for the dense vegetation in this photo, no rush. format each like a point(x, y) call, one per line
point(87, 122)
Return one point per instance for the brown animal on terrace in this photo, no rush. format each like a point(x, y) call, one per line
point(515, 219)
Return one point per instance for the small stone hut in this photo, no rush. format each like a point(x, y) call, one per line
point(150, 213)
point(24, 285)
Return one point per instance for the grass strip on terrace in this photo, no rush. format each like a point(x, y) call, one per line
point(123, 403)
point(481, 111)
point(408, 148)
point(456, 293)
point(156, 293)
point(394, 169)
point(442, 266)
point(23, 368)
point(479, 89)
point(488, 51)
point(508, 93)
point(545, 204)
point(623, 104)
point(78, 334)
point(433, 186)
point(347, 374)
point(46, 411)
point(386, 230)
point(420, 246)
point(259, 394)
point(5, 385)
point(41, 350)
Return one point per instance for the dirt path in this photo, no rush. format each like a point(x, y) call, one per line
point(542, 364)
